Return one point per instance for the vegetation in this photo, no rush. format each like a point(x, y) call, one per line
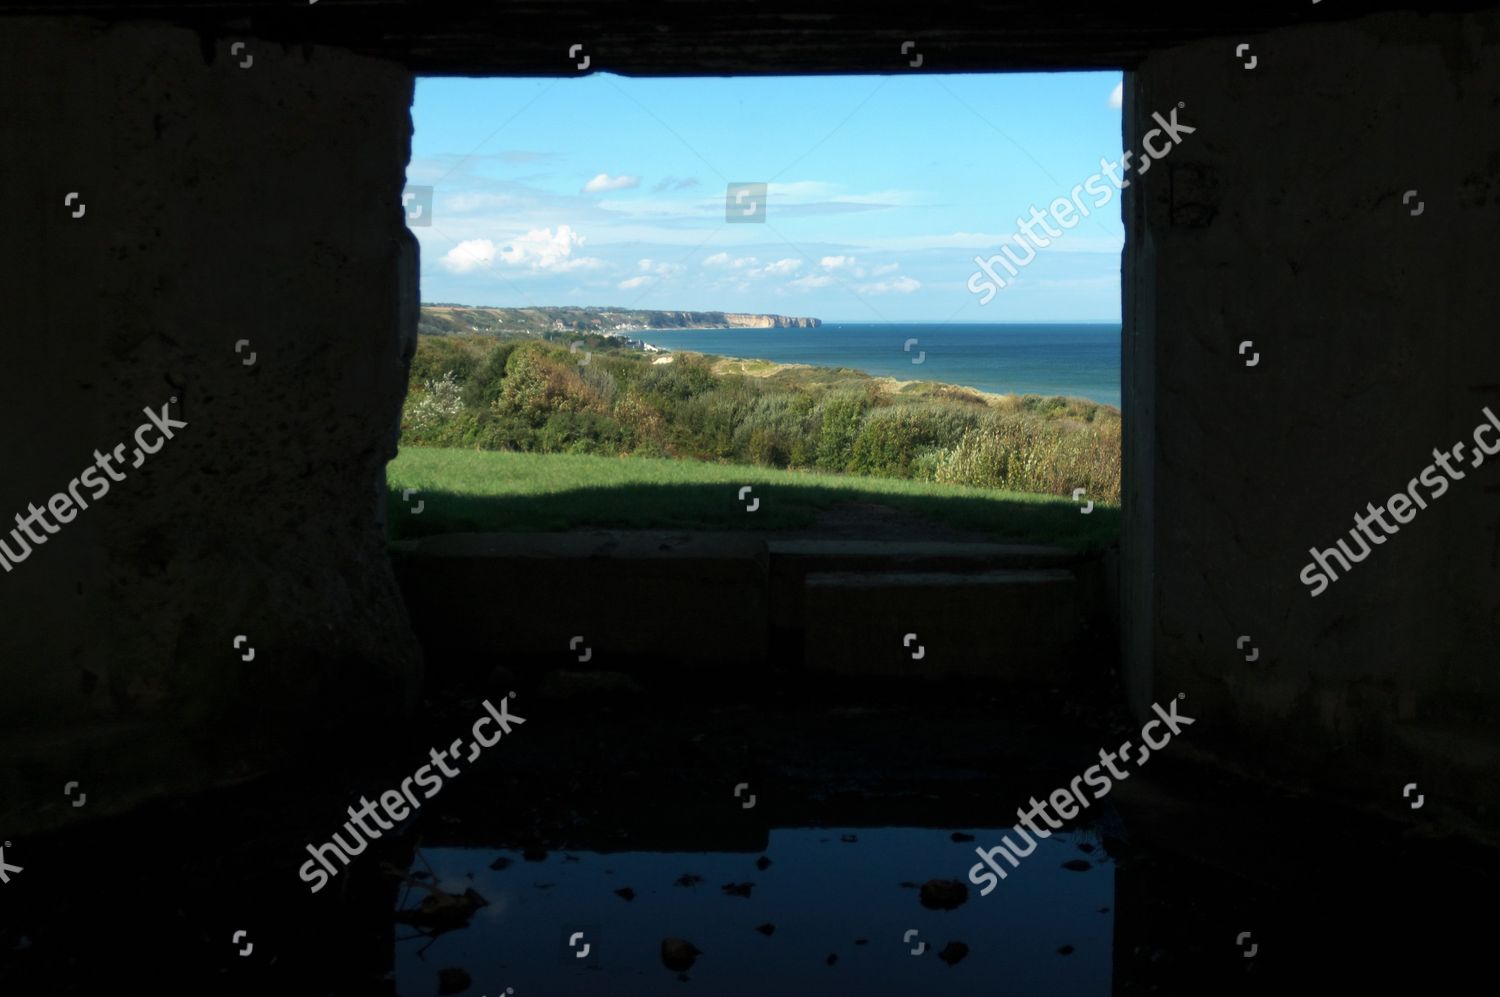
point(478, 491)
point(532, 396)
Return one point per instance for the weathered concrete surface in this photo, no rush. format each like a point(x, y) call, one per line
point(712, 38)
point(1022, 626)
point(638, 599)
point(219, 203)
point(1281, 221)
point(732, 607)
point(793, 560)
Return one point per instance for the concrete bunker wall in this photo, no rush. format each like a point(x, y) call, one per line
point(219, 204)
point(261, 203)
point(1282, 222)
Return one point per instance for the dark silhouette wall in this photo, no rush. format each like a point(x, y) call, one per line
point(1285, 221)
point(219, 204)
point(225, 201)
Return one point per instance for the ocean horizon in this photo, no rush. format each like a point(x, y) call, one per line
point(1077, 359)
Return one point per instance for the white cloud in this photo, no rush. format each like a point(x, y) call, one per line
point(811, 281)
point(660, 269)
point(673, 183)
point(888, 198)
point(633, 282)
point(988, 240)
point(717, 260)
point(901, 285)
point(604, 181)
point(851, 266)
point(469, 255)
point(782, 268)
point(542, 246)
point(954, 240)
point(1117, 95)
point(474, 201)
point(539, 249)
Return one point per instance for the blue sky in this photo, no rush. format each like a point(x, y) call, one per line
point(606, 190)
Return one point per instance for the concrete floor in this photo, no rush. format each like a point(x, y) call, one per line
point(607, 763)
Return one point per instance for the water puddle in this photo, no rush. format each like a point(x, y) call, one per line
point(837, 909)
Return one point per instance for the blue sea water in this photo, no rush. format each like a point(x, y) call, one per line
point(1078, 359)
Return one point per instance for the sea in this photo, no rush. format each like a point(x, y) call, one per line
point(1076, 359)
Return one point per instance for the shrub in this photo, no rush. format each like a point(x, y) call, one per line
point(642, 421)
point(439, 401)
point(891, 438)
point(705, 426)
point(581, 432)
point(537, 384)
point(435, 357)
point(686, 377)
point(487, 380)
point(1025, 455)
point(884, 444)
point(772, 427)
point(840, 425)
point(600, 383)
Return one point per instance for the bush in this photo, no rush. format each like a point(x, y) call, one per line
point(487, 380)
point(685, 377)
point(436, 357)
point(892, 438)
point(705, 426)
point(538, 384)
point(885, 444)
point(1027, 456)
point(774, 428)
point(581, 432)
point(642, 421)
point(428, 411)
point(839, 428)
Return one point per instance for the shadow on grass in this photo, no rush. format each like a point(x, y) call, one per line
point(782, 506)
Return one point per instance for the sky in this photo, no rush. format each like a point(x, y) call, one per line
point(881, 190)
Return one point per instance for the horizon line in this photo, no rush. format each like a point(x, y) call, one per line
point(832, 321)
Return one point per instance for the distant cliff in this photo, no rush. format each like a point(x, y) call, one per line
point(440, 319)
point(737, 321)
point(723, 320)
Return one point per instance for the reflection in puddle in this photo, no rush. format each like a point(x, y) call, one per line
point(832, 909)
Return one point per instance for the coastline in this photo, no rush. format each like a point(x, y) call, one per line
point(889, 385)
point(1066, 360)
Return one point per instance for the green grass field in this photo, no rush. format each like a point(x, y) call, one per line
point(495, 491)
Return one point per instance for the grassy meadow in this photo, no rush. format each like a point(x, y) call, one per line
point(487, 491)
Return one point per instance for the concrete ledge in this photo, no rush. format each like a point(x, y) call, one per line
point(838, 555)
point(792, 561)
point(638, 600)
point(1017, 625)
point(644, 600)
